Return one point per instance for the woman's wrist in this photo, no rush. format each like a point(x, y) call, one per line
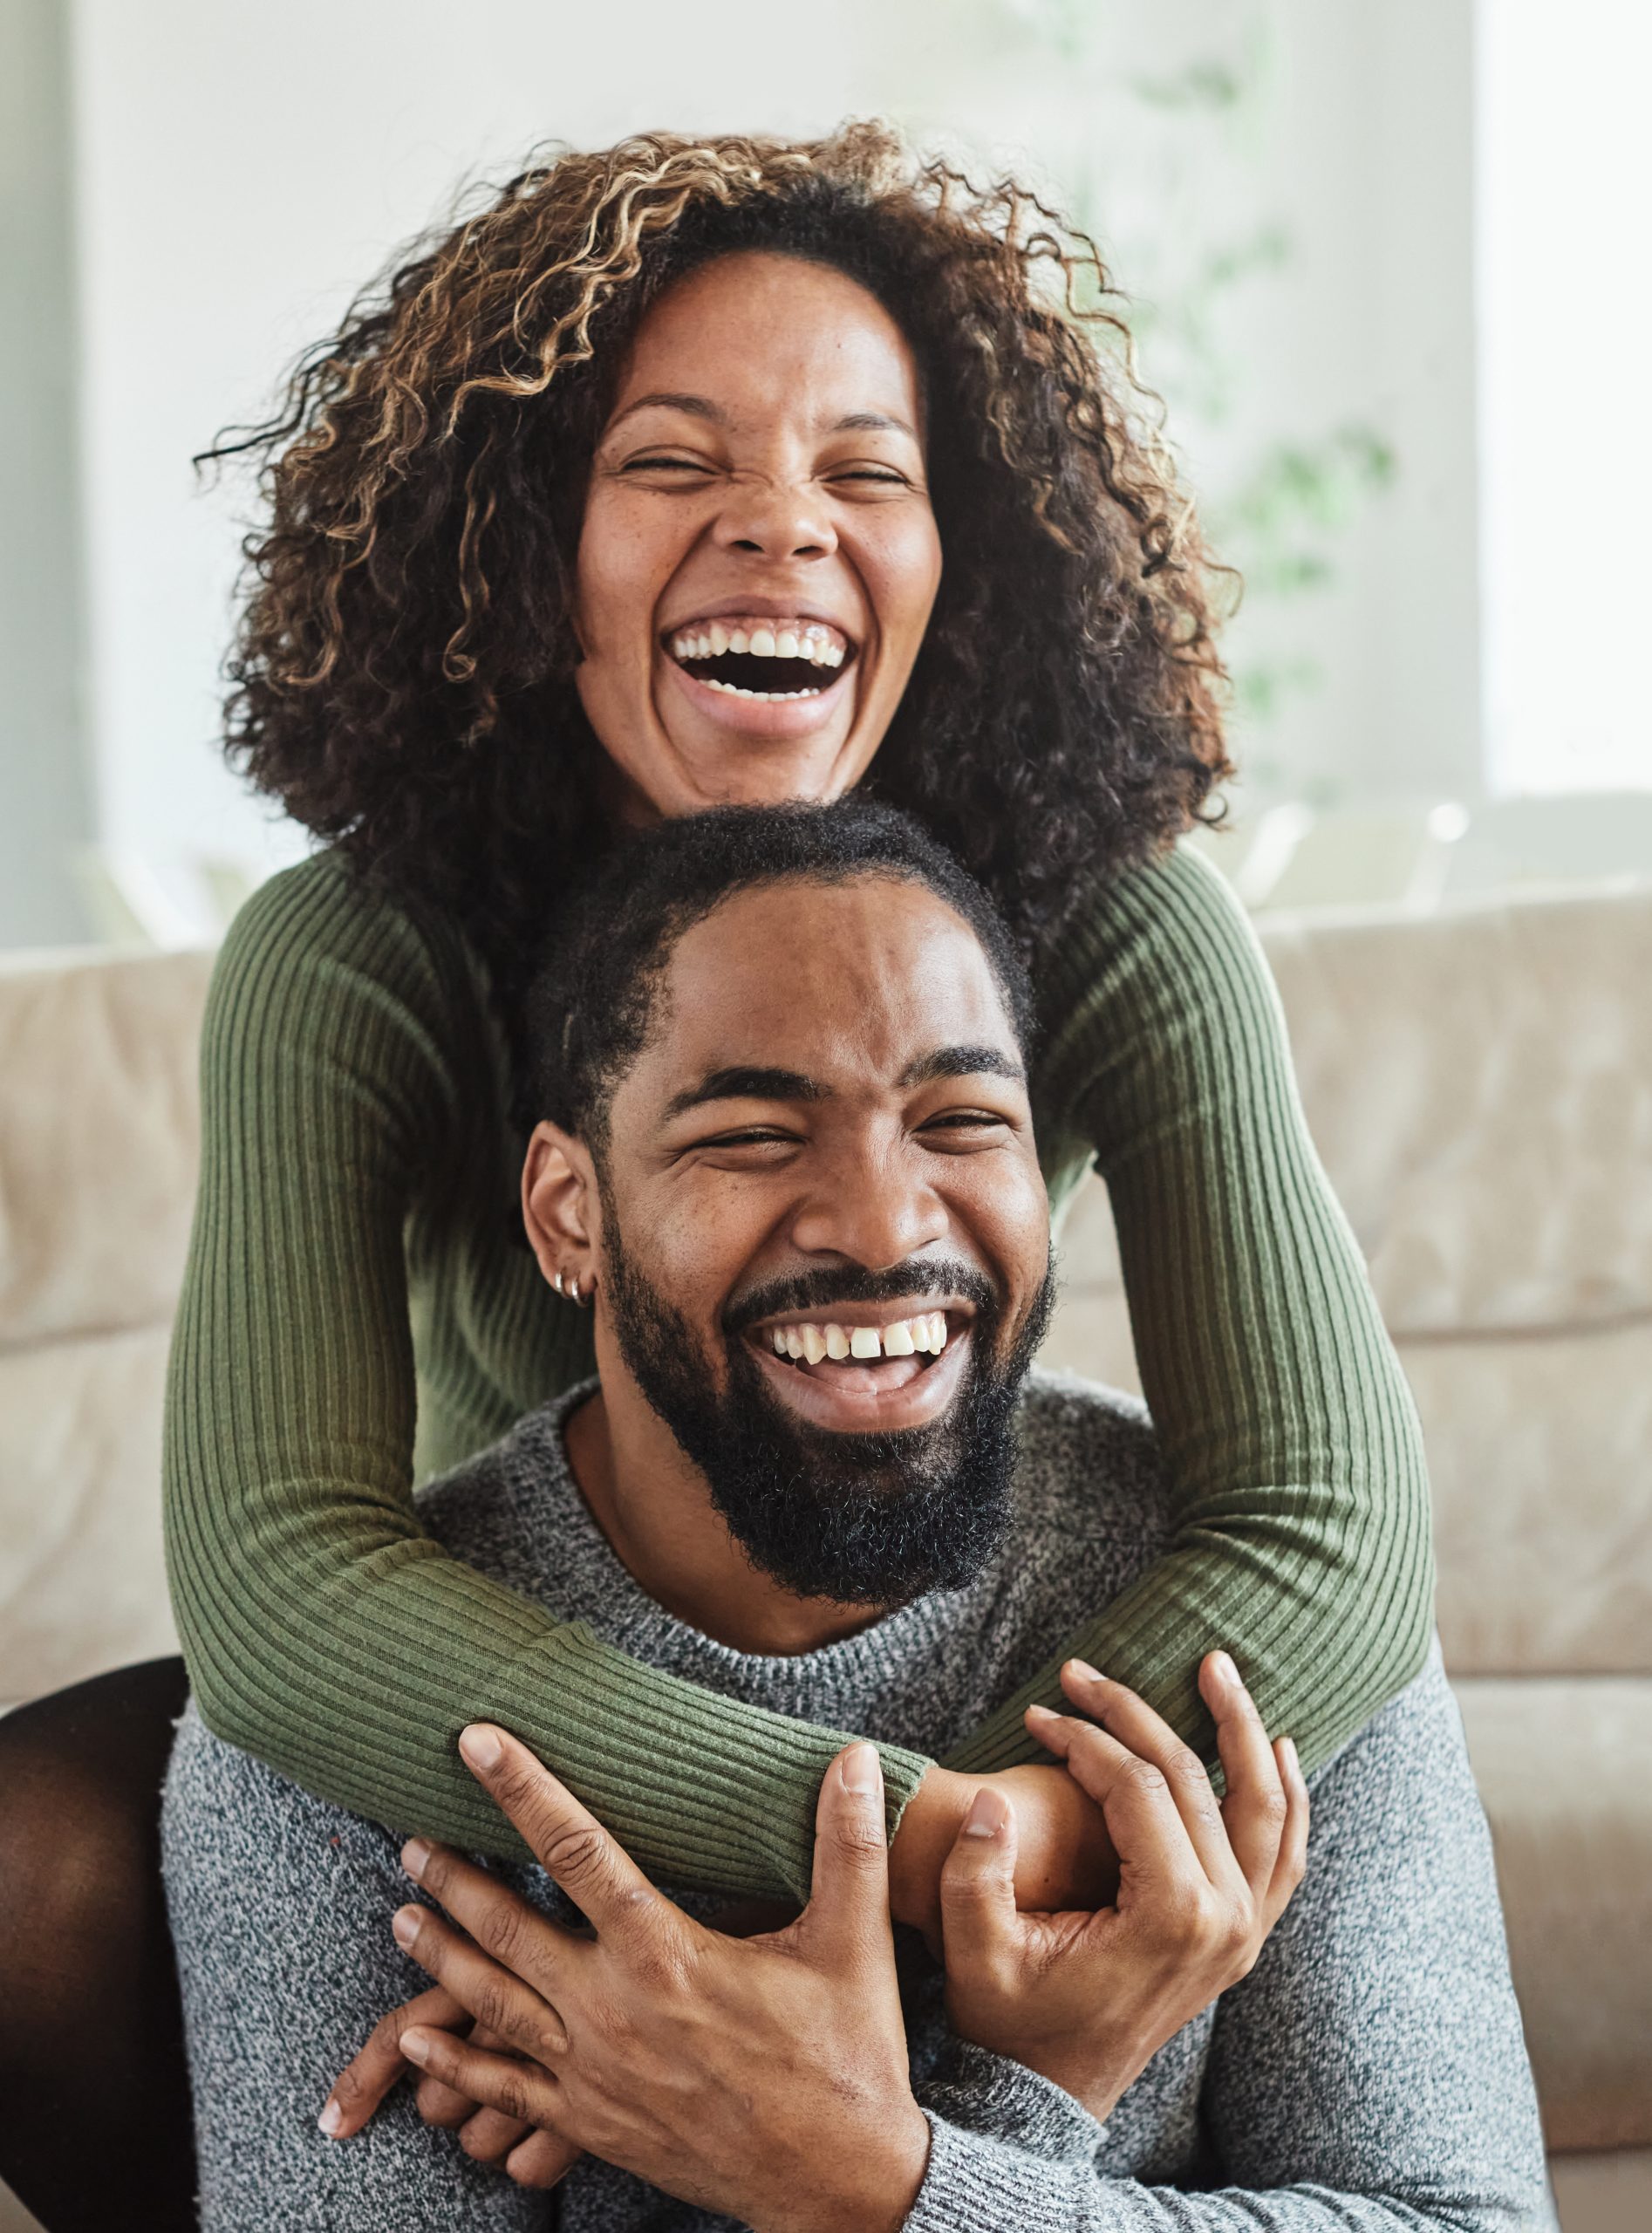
point(929, 1825)
point(1064, 1857)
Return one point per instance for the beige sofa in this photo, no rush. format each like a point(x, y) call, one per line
point(1480, 1085)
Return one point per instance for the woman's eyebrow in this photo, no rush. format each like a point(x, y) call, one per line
point(697, 406)
point(701, 407)
point(873, 422)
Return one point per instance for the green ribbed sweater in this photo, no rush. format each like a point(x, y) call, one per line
point(356, 1266)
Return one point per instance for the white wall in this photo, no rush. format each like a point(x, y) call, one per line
point(242, 164)
point(46, 806)
point(1566, 176)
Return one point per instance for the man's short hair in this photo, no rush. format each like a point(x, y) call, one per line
point(591, 1002)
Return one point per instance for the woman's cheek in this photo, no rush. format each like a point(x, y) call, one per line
point(624, 561)
point(912, 566)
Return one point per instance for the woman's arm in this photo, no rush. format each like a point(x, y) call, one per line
point(1301, 1542)
point(325, 1632)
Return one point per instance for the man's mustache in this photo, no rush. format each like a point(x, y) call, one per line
point(848, 1283)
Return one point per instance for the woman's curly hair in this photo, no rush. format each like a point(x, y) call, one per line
point(402, 671)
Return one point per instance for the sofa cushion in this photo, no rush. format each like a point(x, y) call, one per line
point(82, 1577)
point(1480, 1084)
point(1541, 1454)
point(1565, 1771)
point(98, 1141)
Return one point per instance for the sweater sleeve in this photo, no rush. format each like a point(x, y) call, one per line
point(1300, 1494)
point(325, 1631)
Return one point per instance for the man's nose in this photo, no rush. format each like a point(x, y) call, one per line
point(776, 518)
point(873, 1211)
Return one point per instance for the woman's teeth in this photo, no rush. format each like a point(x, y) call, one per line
point(810, 1343)
point(809, 641)
point(804, 640)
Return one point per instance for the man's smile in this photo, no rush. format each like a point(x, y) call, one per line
point(867, 1367)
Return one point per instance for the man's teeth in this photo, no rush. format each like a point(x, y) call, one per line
point(809, 1344)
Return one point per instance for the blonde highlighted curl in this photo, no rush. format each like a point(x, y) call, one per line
point(403, 670)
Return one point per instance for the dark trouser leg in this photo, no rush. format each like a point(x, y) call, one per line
point(95, 2129)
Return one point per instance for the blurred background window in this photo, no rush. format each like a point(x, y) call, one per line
point(1565, 200)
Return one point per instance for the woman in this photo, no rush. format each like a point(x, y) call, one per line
point(690, 472)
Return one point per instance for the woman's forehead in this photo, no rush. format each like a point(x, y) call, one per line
point(759, 326)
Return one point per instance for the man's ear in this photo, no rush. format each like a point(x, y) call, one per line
point(560, 1209)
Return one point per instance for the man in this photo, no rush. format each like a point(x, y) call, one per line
point(786, 1158)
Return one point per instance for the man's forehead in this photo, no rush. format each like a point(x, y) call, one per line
point(862, 983)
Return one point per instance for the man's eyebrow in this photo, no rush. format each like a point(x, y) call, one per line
point(963, 1062)
point(744, 1084)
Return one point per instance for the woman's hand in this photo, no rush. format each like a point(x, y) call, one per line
point(764, 2078)
point(1088, 1999)
point(530, 2157)
point(1064, 1857)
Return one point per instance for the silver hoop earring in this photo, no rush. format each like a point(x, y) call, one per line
point(555, 1280)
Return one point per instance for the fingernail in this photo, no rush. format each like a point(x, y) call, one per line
point(984, 1818)
point(481, 1746)
point(404, 1927)
point(331, 2117)
point(1041, 1713)
point(414, 1855)
point(415, 2046)
point(862, 1770)
point(1288, 1745)
point(1085, 1672)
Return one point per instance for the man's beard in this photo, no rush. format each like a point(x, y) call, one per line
point(861, 1518)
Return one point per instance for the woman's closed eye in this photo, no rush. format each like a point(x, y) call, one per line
point(883, 474)
point(666, 465)
point(867, 476)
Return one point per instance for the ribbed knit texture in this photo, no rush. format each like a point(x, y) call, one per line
point(357, 1240)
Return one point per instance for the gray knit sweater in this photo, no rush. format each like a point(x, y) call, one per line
point(1369, 2072)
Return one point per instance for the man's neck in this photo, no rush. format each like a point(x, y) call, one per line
point(656, 1510)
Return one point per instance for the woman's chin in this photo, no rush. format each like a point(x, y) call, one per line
point(739, 752)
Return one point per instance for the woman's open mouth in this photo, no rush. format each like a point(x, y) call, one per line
point(761, 659)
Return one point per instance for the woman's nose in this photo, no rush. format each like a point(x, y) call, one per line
point(777, 519)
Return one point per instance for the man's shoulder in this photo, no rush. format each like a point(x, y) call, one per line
point(1087, 1462)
